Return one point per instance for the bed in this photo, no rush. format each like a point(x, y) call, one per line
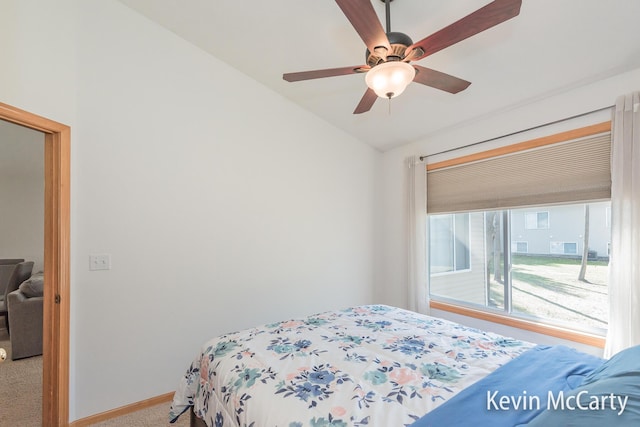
point(376, 365)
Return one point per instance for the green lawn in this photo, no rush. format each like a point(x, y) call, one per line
point(549, 287)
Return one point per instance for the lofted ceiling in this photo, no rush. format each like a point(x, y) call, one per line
point(550, 47)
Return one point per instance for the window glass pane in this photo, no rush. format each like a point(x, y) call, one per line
point(441, 243)
point(543, 220)
point(463, 278)
point(546, 281)
point(556, 247)
point(519, 247)
point(531, 220)
point(495, 258)
point(461, 243)
point(536, 220)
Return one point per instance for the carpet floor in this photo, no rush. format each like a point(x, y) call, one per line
point(20, 388)
point(149, 417)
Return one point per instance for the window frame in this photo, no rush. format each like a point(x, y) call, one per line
point(516, 242)
point(503, 316)
point(564, 244)
point(506, 308)
point(537, 214)
point(587, 338)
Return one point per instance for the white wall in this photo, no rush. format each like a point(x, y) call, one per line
point(37, 43)
point(22, 194)
point(222, 204)
point(391, 275)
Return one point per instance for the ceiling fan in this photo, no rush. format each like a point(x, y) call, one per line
point(389, 53)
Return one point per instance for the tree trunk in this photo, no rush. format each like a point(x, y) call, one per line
point(585, 245)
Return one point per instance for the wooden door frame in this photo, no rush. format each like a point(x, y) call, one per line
point(55, 359)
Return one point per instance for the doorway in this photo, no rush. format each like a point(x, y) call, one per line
point(55, 358)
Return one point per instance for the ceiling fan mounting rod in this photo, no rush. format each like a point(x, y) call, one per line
point(387, 10)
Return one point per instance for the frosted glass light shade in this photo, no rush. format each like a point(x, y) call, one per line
point(390, 79)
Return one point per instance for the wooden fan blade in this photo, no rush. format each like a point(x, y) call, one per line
point(363, 17)
point(482, 19)
point(330, 72)
point(439, 80)
point(366, 102)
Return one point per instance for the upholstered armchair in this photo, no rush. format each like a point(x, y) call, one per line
point(20, 273)
point(25, 311)
point(6, 270)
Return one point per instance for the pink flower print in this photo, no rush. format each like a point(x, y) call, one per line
point(338, 411)
point(403, 376)
point(431, 391)
point(293, 375)
point(482, 344)
point(204, 368)
point(290, 324)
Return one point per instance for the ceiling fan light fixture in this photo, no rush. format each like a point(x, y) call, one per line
point(390, 79)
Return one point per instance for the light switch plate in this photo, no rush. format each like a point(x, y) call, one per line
point(100, 262)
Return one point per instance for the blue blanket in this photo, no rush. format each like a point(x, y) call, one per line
point(609, 396)
point(516, 392)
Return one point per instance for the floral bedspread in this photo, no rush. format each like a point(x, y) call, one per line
point(364, 366)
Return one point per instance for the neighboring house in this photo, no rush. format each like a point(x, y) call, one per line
point(553, 230)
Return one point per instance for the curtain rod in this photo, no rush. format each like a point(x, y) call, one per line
point(517, 132)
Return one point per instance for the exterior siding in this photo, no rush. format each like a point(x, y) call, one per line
point(468, 285)
point(563, 227)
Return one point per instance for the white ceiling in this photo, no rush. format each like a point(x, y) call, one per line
point(553, 45)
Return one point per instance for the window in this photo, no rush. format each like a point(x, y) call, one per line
point(543, 279)
point(563, 248)
point(536, 220)
point(449, 243)
point(521, 265)
point(520, 247)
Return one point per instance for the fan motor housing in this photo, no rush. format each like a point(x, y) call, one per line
point(399, 43)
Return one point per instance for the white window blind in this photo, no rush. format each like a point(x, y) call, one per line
point(570, 171)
